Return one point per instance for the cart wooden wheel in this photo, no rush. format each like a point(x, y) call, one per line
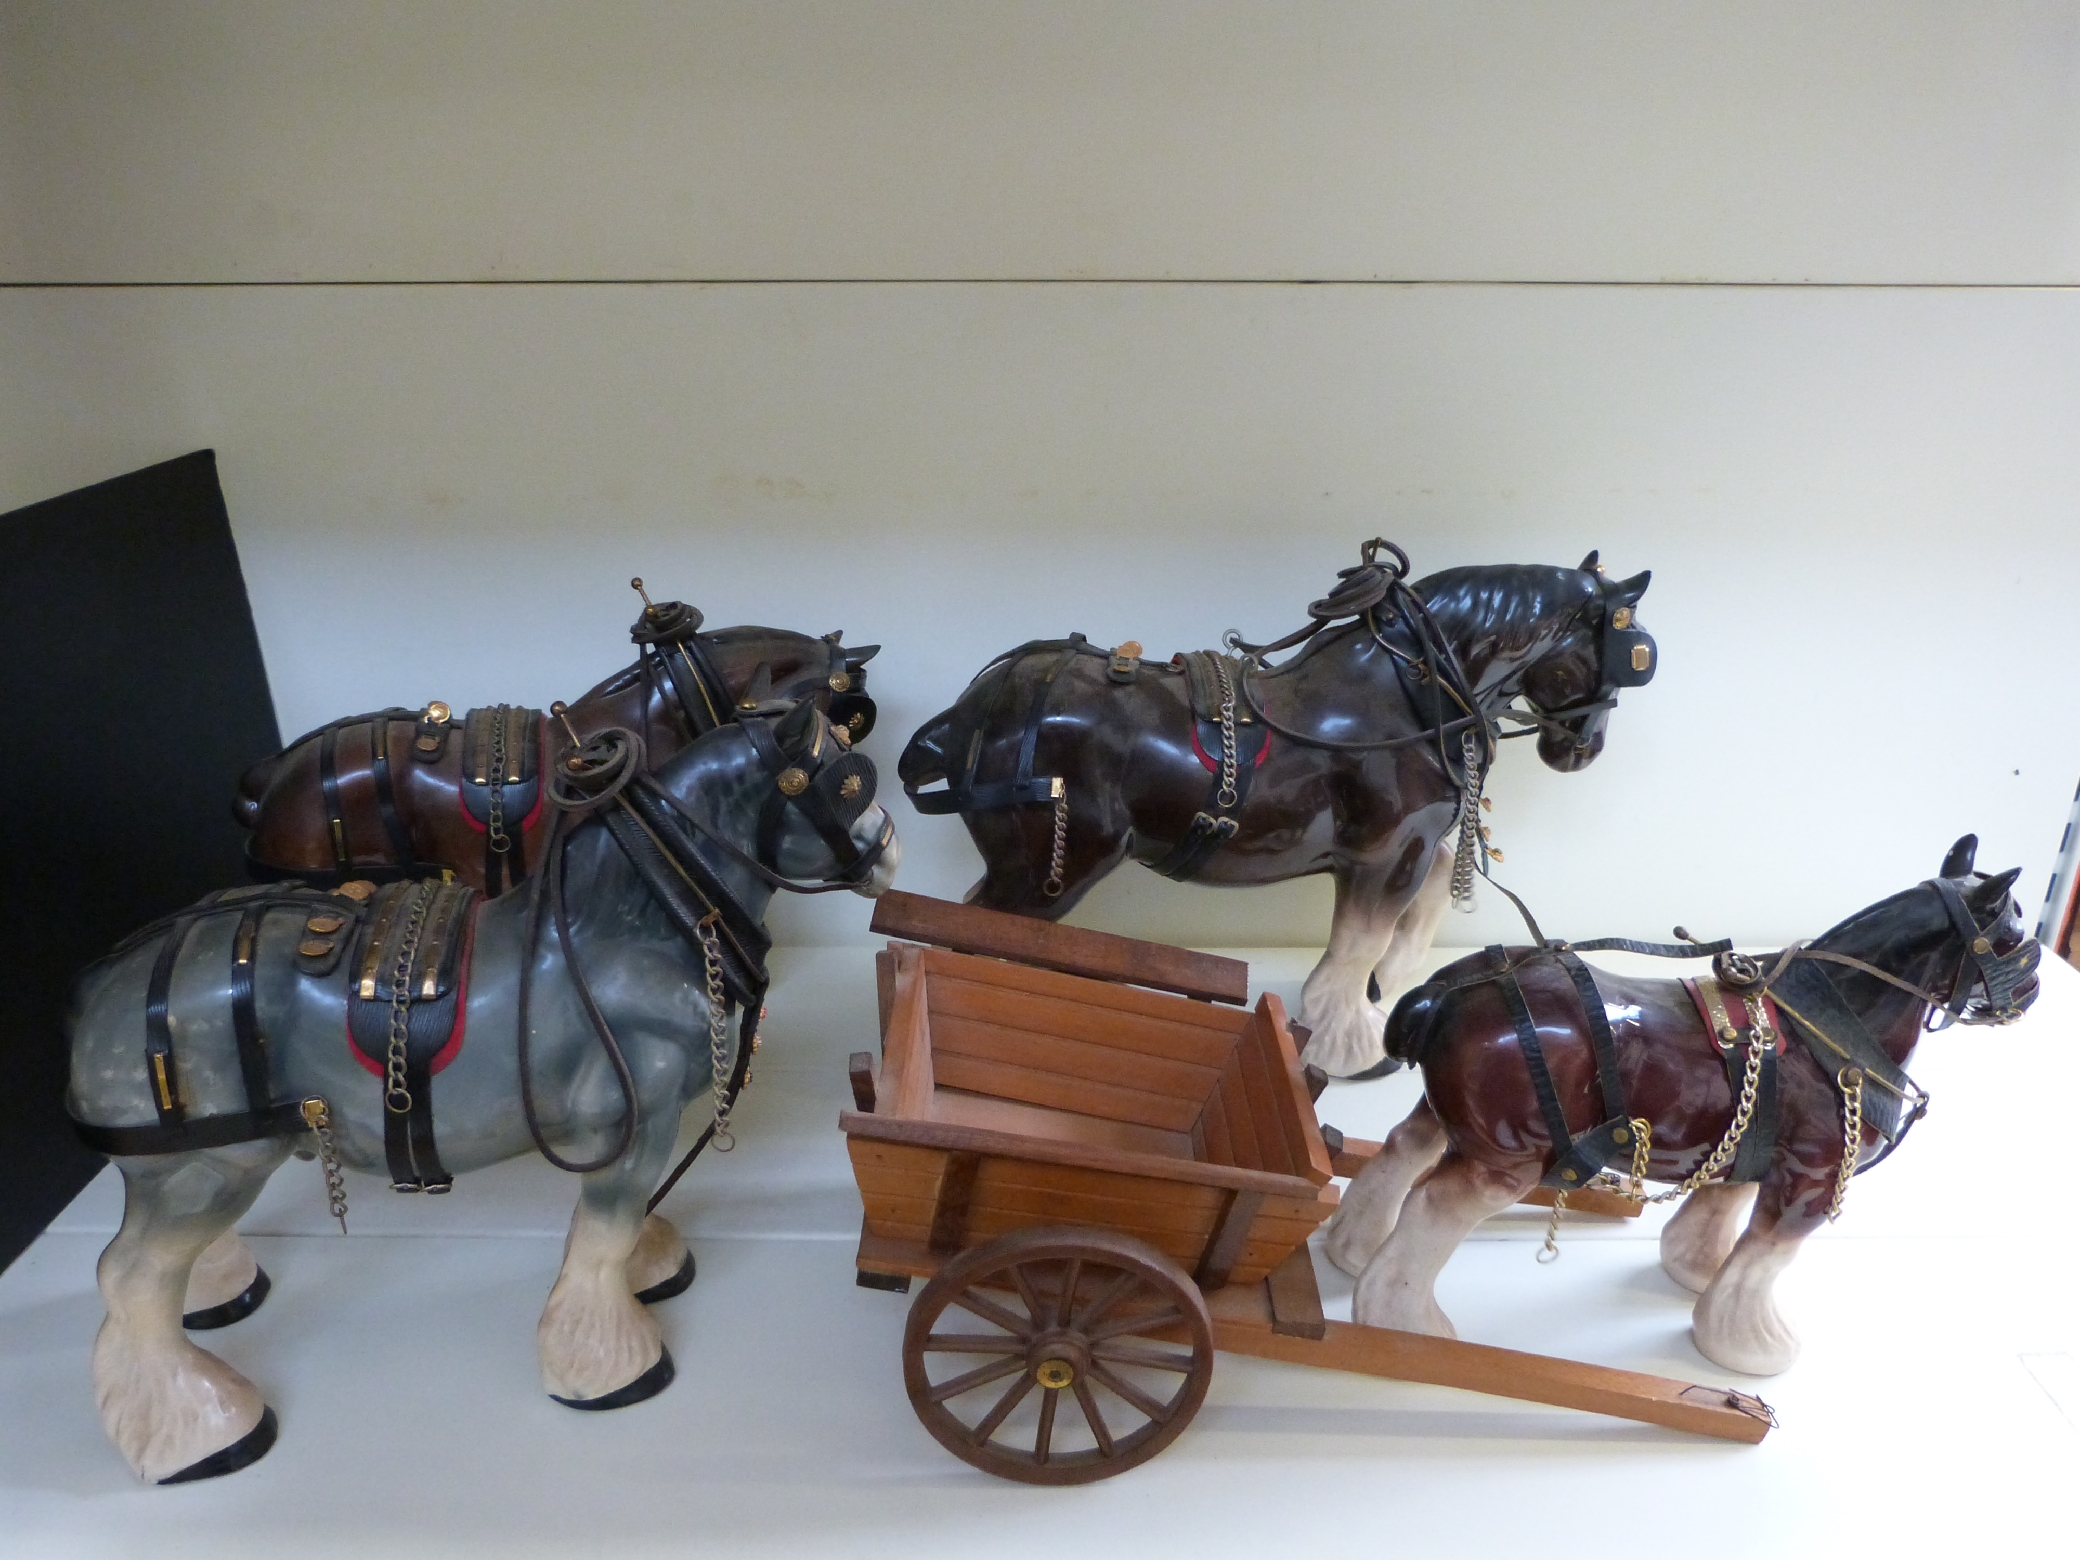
point(1112, 1334)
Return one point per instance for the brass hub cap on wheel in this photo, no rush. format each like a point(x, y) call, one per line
point(1087, 1352)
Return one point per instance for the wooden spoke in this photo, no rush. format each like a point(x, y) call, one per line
point(987, 1425)
point(1146, 1358)
point(1092, 1417)
point(1043, 1316)
point(1018, 1326)
point(1159, 1412)
point(972, 1343)
point(980, 1376)
point(1065, 1297)
point(1105, 1299)
point(1043, 1440)
point(1147, 1322)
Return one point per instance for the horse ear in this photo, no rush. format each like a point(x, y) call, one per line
point(1631, 590)
point(793, 731)
point(1589, 563)
point(857, 656)
point(760, 688)
point(1959, 861)
point(1994, 891)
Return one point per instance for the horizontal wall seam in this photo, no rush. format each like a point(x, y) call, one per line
point(1049, 281)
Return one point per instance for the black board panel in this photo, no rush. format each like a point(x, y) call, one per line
point(133, 694)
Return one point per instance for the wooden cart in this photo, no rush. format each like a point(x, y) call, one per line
point(1107, 1169)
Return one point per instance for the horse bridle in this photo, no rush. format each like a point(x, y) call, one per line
point(1626, 657)
point(668, 637)
point(607, 777)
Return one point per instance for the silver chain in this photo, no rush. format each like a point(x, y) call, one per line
point(496, 826)
point(718, 1041)
point(1053, 886)
point(397, 1098)
point(317, 1115)
point(1227, 795)
point(1473, 839)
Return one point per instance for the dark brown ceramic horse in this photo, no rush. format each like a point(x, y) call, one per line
point(1350, 758)
point(1840, 1016)
point(391, 794)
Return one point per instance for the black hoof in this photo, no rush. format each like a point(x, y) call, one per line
point(1378, 1069)
point(236, 1309)
point(665, 1288)
point(648, 1385)
point(242, 1453)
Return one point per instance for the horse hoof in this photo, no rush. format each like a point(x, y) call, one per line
point(236, 1309)
point(248, 1448)
point(648, 1385)
point(665, 1288)
point(1378, 1069)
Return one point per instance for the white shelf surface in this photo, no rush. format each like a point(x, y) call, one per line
point(1936, 1396)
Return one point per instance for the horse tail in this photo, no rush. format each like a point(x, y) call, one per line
point(252, 790)
point(1410, 1025)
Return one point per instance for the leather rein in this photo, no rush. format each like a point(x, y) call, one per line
point(607, 778)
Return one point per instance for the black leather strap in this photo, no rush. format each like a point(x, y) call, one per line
point(162, 1074)
point(1188, 857)
point(1576, 1159)
point(328, 782)
point(394, 829)
point(245, 1019)
point(197, 1132)
point(1759, 1142)
point(1601, 1041)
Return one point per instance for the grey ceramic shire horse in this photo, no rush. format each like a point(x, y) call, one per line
point(178, 1412)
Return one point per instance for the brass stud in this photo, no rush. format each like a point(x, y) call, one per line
point(1569, 1175)
point(438, 713)
point(1622, 618)
point(360, 890)
point(1981, 945)
point(1642, 658)
point(314, 947)
point(1621, 1135)
point(324, 924)
point(849, 787)
point(857, 723)
point(1054, 1374)
point(792, 781)
point(843, 734)
point(841, 682)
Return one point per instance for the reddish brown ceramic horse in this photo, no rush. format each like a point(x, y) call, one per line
point(1341, 768)
point(389, 809)
point(1952, 948)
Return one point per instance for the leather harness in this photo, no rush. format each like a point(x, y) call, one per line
point(1795, 988)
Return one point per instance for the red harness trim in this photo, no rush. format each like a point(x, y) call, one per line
point(1736, 1014)
point(541, 792)
point(453, 1048)
point(1213, 765)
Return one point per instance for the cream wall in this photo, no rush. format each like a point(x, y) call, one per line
point(1858, 500)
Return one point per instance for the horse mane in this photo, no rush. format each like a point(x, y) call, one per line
point(1511, 606)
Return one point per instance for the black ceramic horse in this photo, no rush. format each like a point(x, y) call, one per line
point(1361, 756)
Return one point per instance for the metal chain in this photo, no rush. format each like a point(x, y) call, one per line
point(317, 1115)
point(1850, 1081)
point(718, 1039)
point(1053, 886)
point(496, 825)
point(1473, 837)
point(397, 1098)
point(1761, 1040)
point(1227, 795)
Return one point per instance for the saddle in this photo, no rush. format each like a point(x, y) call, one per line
point(501, 787)
point(407, 1000)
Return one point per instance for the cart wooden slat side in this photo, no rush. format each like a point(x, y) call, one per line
point(981, 1126)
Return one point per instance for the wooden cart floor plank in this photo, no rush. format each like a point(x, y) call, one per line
point(1051, 1123)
